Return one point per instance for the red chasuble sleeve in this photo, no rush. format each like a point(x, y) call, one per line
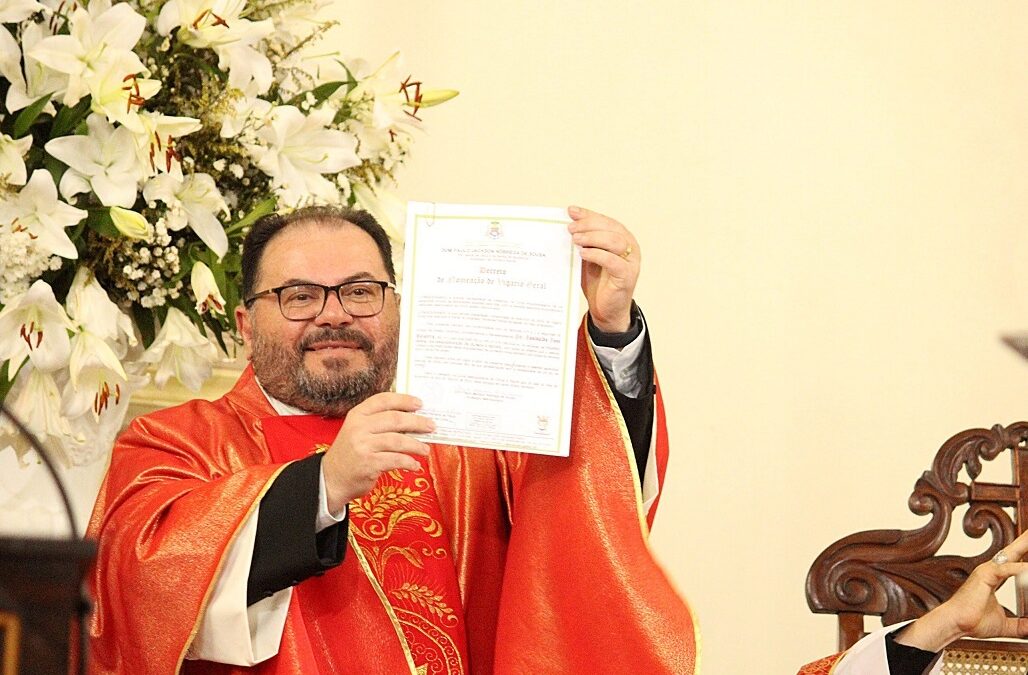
point(180, 485)
point(581, 590)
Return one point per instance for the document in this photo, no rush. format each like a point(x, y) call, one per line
point(489, 319)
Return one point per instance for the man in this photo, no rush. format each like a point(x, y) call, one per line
point(915, 648)
point(229, 545)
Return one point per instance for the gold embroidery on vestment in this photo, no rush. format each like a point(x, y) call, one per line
point(375, 520)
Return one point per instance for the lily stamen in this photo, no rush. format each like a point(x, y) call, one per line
point(415, 102)
point(171, 153)
point(218, 21)
point(134, 97)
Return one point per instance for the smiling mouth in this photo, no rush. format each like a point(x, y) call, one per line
point(333, 346)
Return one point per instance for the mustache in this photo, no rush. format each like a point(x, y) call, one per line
point(344, 334)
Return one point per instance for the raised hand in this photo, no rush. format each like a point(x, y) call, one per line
point(373, 439)
point(973, 611)
point(610, 270)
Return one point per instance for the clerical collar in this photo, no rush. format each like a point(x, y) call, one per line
point(280, 407)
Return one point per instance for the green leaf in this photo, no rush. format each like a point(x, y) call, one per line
point(263, 208)
point(27, 117)
point(321, 92)
point(214, 327)
point(99, 220)
point(56, 168)
point(6, 379)
point(145, 324)
point(351, 81)
point(68, 118)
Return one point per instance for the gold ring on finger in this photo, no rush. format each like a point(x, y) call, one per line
point(628, 252)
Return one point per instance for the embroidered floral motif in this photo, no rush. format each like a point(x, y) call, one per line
point(398, 528)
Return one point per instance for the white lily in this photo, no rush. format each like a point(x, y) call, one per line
point(155, 136)
point(34, 326)
point(37, 210)
point(181, 350)
point(193, 201)
point(97, 377)
point(388, 209)
point(90, 307)
point(217, 24)
point(296, 19)
point(131, 224)
point(10, 56)
point(117, 91)
point(35, 400)
point(37, 80)
point(12, 164)
point(205, 290)
point(100, 160)
point(299, 149)
point(246, 108)
point(13, 11)
point(98, 36)
point(395, 99)
point(92, 437)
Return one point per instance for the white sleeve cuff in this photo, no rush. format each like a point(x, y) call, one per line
point(868, 656)
point(325, 517)
point(622, 364)
point(230, 632)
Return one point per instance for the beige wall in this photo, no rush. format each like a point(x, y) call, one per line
point(832, 205)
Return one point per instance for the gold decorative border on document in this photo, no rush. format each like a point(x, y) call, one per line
point(10, 642)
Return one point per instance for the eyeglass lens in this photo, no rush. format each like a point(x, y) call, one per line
point(305, 301)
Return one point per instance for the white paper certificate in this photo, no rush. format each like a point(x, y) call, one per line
point(488, 328)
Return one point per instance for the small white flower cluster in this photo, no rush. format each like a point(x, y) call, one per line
point(23, 262)
point(149, 270)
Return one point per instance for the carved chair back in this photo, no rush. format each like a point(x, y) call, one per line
point(897, 574)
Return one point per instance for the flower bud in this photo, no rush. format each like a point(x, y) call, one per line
point(131, 224)
point(205, 289)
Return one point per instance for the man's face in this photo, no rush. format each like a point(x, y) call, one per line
point(328, 364)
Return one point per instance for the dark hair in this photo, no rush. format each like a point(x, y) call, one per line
point(265, 229)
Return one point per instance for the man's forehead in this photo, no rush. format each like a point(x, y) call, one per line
point(325, 247)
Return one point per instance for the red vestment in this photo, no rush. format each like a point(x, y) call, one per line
point(823, 666)
point(550, 553)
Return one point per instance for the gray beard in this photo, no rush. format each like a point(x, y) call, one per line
point(283, 373)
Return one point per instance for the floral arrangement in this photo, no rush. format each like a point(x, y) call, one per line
point(138, 142)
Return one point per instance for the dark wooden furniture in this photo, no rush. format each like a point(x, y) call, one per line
point(898, 574)
point(40, 604)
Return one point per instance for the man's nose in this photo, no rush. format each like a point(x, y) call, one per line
point(333, 313)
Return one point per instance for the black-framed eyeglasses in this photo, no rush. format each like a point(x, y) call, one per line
point(302, 302)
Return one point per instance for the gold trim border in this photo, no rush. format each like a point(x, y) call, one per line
point(626, 441)
point(385, 602)
point(10, 630)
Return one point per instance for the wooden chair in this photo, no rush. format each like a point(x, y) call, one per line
point(897, 574)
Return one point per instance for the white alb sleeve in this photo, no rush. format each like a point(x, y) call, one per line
point(325, 517)
point(622, 364)
point(868, 656)
point(230, 632)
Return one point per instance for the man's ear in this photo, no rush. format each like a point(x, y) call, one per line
point(245, 326)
